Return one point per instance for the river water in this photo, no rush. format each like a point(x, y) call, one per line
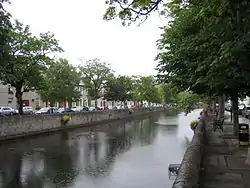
point(124, 154)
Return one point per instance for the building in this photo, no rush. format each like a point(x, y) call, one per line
point(7, 97)
point(32, 98)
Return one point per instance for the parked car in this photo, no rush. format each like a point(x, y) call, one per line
point(246, 111)
point(77, 108)
point(46, 110)
point(92, 108)
point(28, 110)
point(64, 110)
point(85, 108)
point(8, 111)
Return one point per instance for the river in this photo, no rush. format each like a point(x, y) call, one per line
point(124, 154)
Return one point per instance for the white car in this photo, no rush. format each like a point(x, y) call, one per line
point(77, 108)
point(28, 110)
point(7, 111)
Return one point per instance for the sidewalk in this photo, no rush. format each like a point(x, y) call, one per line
point(224, 163)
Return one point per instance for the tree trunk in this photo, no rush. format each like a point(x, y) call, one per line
point(70, 103)
point(95, 103)
point(89, 101)
point(235, 111)
point(19, 100)
point(221, 100)
point(64, 103)
point(52, 104)
point(214, 106)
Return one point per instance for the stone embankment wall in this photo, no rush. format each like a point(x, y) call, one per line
point(188, 175)
point(19, 126)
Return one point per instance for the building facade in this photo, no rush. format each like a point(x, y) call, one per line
point(7, 97)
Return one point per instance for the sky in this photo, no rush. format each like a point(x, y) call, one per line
point(84, 35)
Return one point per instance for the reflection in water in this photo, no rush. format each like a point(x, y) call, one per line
point(128, 154)
point(12, 170)
point(60, 160)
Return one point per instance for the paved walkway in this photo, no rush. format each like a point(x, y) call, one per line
point(225, 164)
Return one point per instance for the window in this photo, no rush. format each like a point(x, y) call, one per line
point(10, 90)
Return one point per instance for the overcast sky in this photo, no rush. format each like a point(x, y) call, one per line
point(82, 32)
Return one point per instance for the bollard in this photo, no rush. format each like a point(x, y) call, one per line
point(243, 134)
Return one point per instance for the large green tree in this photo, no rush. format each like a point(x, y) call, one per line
point(145, 89)
point(119, 89)
point(187, 101)
point(169, 93)
point(62, 83)
point(205, 48)
point(95, 74)
point(28, 58)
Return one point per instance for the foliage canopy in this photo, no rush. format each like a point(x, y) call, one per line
point(27, 59)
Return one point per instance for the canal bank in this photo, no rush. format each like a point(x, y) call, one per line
point(125, 153)
point(23, 126)
point(189, 171)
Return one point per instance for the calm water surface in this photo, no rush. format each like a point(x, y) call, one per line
point(125, 154)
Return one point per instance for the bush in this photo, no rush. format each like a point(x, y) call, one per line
point(194, 124)
point(65, 119)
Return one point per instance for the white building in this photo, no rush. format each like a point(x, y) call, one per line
point(7, 97)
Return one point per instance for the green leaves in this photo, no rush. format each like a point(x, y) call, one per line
point(169, 93)
point(202, 50)
point(130, 11)
point(146, 89)
point(26, 59)
point(5, 27)
point(119, 89)
point(62, 83)
point(94, 74)
point(188, 101)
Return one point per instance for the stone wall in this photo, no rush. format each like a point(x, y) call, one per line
point(188, 175)
point(19, 126)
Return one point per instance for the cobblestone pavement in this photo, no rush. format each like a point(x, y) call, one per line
point(224, 164)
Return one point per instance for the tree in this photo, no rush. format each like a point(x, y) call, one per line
point(169, 93)
point(187, 101)
point(27, 60)
point(5, 27)
point(62, 82)
point(94, 75)
point(131, 10)
point(145, 88)
point(205, 48)
point(119, 89)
